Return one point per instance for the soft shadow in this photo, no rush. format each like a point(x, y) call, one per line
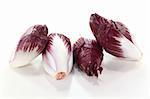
point(113, 70)
point(29, 70)
point(120, 65)
point(80, 75)
point(60, 85)
point(92, 85)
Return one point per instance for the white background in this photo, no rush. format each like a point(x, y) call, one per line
point(71, 17)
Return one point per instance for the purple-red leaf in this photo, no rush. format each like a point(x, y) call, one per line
point(31, 44)
point(88, 56)
point(114, 37)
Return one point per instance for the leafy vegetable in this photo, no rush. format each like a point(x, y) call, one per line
point(31, 44)
point(88, 56)
point(114, 37)
point(58, 56)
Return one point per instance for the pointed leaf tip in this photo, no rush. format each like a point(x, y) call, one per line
point(30, 45)
point(111, 35)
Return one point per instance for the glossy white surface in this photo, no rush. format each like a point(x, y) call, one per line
point(119, 78)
